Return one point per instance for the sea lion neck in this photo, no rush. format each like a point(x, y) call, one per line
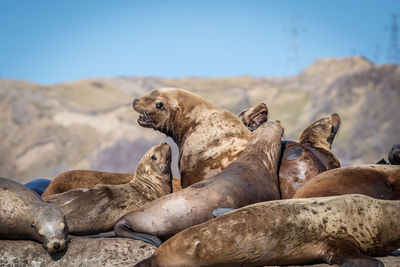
point(152, 186)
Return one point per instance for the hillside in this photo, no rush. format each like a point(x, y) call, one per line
point(90, 124)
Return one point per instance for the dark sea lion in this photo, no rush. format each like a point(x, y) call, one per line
point(255, 116)
point(311, 156)
point(97, 209)
point(84, 252)
point(249, 179)
point(209, 138)
point(38, 185)
point(377, 181)
point(345, 230)
point(24, 215)
point(394, 155)
point(77, 179)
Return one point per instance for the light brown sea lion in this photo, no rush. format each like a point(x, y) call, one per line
point(84, 252)
point(345, 230)
point(310, 156)
point(76, 179)
point(249, 179)
point(377, 181)
point(208, 137)
point(24, 215)
point(97, 209)
point(255, 116)
point(394, 155)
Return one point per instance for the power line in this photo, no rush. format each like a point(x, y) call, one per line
point(393, 51)
point(293, 57)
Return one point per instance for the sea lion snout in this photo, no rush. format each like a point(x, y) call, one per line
point(135, 101)
point(56, 245)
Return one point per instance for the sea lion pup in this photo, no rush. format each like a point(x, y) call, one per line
point(394, 155)
point(96, 209)
point(77, 179)
point(208, 137)
point(377, 181)
point(249, 179)
point(310, 156)
point(345, 230)
point(255, 116)
point(24, 215)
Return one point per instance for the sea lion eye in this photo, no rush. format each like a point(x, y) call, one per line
point(153, 157)
point(159, 105)
point(33, 225)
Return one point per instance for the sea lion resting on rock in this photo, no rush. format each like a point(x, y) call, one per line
point(377, 181)
point(23, 215)
point(345, 230)
point(306, 159)
point(97, 209)
point(77, 179)
point(249, 179)
point(209, 138)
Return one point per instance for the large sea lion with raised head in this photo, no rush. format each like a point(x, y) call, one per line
point(374, 180)
point(96, 209)
point(209, 138)
point(346, 230)
point(251, 178)
point(24, 215)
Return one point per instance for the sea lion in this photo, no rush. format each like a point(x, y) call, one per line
point(249, 179)
point(81, 252)
point(377, 181)
point(38, 185)
point(96, 209)
point(24, 215)
point(176, 184)
point(255, 116)
point(76, 179)
point(345, 230)
point(394, 155)
point(310, 156)
point(208, 137)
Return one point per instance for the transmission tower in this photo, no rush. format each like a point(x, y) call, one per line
point(394, 52)
point(377, 53)
point(293, 57)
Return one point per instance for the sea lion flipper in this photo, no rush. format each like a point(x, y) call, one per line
point(221, 211)
point(382, 161)
point(123, 229)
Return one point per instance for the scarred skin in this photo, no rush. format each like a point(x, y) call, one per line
point(345, 230)
point(251, 178)
point(24, 215)
point(96, 209)
point(209, 138)
point(305, 159)
point(374, 180)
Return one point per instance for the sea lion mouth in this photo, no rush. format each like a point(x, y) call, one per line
point(144, 120)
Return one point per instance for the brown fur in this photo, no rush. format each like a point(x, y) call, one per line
point(377, 181)
point(208, 137)
point(77, 179)
point(96, 209)
point(255, 116)
point(311, 156)
point(24, 215)
point(251, 178)
point(344, 230)
point(394, 155)
point(176, 184)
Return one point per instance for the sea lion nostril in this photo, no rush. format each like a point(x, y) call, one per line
point(56, 245)
point(135, 101)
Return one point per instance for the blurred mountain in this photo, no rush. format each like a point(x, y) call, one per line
point(90, 124)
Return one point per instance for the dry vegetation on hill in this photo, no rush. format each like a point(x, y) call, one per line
point(89, 124)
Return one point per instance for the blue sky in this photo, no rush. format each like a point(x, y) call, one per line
point(48, 41)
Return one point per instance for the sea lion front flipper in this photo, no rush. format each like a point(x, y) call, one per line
point(221, 211)
point(382, 161)
point(123, 229)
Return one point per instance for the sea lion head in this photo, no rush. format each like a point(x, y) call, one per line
point(255, 116)
point(322, 132)
point(50, 228)
point(154, 173)
point(394, 155)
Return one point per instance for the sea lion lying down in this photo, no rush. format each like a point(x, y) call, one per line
point(345, 230)
point(96, 209)
point(251, 178)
